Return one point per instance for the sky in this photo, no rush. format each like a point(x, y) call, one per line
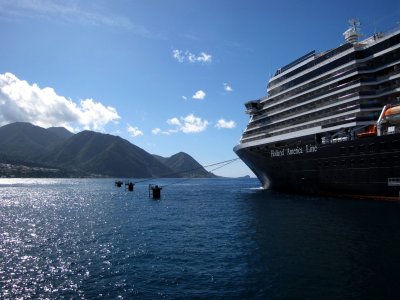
point(167, 75)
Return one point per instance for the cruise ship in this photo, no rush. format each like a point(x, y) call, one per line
point(330, 122)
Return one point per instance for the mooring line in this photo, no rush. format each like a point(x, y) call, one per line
point(187, 179)
point(226, 162)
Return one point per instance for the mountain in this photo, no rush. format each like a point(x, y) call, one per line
point(106, 155)
point(26, 141)
point(28, 150)
point(185, 166)
point(61, 132)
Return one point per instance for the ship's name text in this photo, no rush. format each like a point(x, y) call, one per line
point(294, 151)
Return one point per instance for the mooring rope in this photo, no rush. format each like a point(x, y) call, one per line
point(187, 179)
point(225, 163)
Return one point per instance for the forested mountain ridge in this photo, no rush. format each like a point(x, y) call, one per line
point(57, 152)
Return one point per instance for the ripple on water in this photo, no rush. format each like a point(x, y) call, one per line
point(210, 239)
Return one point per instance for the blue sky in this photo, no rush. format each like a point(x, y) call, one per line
point(167, 75)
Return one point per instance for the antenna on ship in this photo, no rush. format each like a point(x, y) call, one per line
point(351, 35)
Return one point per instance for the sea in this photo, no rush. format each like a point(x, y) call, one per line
point(203, 239)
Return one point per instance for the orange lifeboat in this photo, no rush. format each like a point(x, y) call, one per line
point(371, 131)
point(392, 114)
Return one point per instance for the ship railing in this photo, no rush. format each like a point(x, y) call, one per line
point(378, 36)
point(304, 108)
point(299, 99)
point(340, 139)
point(394, 181)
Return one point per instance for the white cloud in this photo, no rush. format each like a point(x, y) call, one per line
point(184, 97)
point(188, 124)
point(222, 123)
point(177, 54)
point(174, 121)
point(134, 131)
point(156, 131)
point(227, 88)
point(204, 57)
point(199, 95)
point(21, 101)
point(190, 57)
point(193, 124)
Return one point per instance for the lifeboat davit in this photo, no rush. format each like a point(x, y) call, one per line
point(371, 131)
point(392, 114)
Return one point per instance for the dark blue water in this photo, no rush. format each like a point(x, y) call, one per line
point(204, 239)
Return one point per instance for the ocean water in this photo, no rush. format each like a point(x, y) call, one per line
point(204, 239)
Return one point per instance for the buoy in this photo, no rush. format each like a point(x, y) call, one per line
point(118, 183)
point(156, 190)
point(130, 186)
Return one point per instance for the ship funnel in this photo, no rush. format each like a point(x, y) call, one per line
point(351, 35)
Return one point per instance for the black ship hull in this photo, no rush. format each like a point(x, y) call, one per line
point(367, 167)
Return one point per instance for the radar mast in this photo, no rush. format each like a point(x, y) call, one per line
point(351, 35)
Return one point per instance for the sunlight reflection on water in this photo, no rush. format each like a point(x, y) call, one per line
point(83, 238)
